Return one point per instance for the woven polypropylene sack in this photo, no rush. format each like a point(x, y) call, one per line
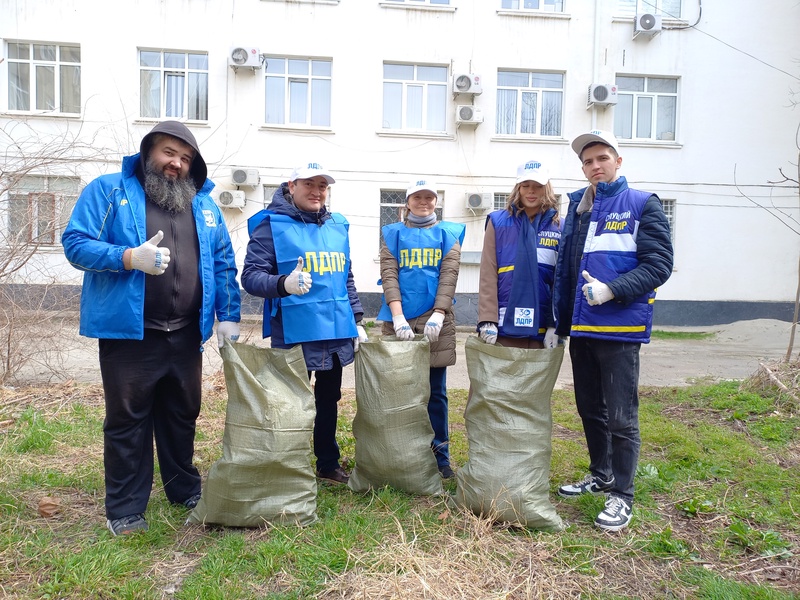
point(392, 429)
point(265, 473)
point(509, 426)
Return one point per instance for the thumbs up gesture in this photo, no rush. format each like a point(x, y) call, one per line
point(297, 282)
point(149, 257)
point(596, 292)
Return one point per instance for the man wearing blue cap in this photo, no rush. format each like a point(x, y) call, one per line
point(615, 251)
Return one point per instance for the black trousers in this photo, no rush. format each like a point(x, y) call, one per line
point(327, 393)
point(152, 387)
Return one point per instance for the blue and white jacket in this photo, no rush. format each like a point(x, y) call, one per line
point(109, 218)
point(625, 243)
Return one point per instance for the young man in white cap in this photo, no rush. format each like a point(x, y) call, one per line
point(418, 295)
point(310, 294)
point(615, 251)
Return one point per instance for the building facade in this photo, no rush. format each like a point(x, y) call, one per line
point(700, 94)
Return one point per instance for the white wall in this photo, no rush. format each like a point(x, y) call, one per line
point(736, 127)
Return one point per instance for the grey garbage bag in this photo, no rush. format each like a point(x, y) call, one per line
point(265, 473)
point(392, 429)
point(509, 426)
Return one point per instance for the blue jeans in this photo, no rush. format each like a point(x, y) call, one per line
point(606, 377)
point(437, 412)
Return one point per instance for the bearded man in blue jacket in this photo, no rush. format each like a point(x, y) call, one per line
point(158, 266)
point(615, 251)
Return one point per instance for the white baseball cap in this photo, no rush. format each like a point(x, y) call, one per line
point(596, 135)
point(310, 170)
point(421, 184)
point(532, 170)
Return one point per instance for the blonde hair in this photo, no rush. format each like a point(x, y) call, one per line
point(550, 201)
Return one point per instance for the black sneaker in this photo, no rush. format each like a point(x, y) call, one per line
point(446, 472)
point(127, 525)
point(192, 501)
point(616, 515)
point(589, 485)
point(337, 475)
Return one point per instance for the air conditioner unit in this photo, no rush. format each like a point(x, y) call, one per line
point(245, 176)
point(466, 114)
point(231, 199)
point(244, 56)
point(602, 94)
point(479, 201)
point(467, 83)
point(647, 24)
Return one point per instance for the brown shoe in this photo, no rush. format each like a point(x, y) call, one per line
point(338, 475)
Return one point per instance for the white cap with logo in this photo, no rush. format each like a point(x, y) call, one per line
point(421, 184)
point(310, 170)
point(532, 171)
point(596, 135)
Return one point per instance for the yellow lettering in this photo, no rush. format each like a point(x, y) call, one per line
point(438, 255)
point(615, 226)
point(416, 258)
point(324, 263)
point(311, 259)
point(403, 257)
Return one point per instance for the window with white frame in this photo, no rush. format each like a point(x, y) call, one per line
point(39, 207)
point(669, 210)
point(646, 109)
point(529, 103)
point(44, 77)
point(297, 91)
point(539, 5)
point(667, 8)
point(414, 97)
point(500, 200)
point(422, 2)
point(173, 84)
point(392, 203)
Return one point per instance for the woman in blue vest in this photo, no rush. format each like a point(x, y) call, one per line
point(420, 258)
point(520, 247)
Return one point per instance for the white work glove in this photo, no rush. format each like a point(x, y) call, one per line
point(550, 338)
point(361, 338)
point(297, 282)
point(402, 329)
point(149, 258)
point(596, 292)
point(488, 333)
point(434, 326)
point(227, 330)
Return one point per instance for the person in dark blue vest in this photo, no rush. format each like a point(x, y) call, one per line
point(298, 259)
point(518, 262)
point(615, 251)
point(420, 259)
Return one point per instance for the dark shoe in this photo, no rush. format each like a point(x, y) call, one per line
point(588, 485)
point(126, 525)
point(337, 475)
point(446, 472)
point(192, 501)
point(616, 515)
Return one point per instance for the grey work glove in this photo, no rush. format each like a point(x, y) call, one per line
point(550, 338)
point(596, 292)
point(360, 338)
point(434, 326)
point(149, 257)
point(402, 329)
point(297, 282)
point(227, 330)
point(488, 333)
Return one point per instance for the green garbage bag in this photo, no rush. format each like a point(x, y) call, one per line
point(509, 427)
point(392, 429)
point(265, 473)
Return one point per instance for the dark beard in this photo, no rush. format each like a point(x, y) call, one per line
point(173, 195)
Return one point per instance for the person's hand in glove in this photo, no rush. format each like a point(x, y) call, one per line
point(488, 333)
point(297, 282)
point(361, 338)
point(149, 257)
point(227, 330)
point(434, 326)
point(596, 292)
point(402, 329)
point(550, 338)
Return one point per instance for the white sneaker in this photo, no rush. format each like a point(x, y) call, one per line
point(616, 515)
point(588, 485)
